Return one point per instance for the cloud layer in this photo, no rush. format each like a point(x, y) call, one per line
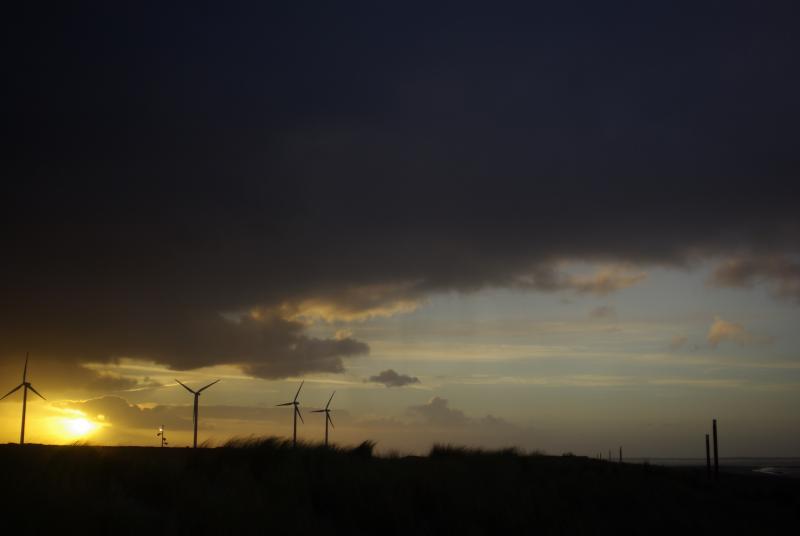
point(152, 198)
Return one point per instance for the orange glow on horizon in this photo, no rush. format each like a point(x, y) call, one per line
point(71, 427)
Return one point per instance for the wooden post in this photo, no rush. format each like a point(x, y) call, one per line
point(708, 459)
point(716, 452)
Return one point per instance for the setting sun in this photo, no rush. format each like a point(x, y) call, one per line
point(73, 428)
point(79, 426)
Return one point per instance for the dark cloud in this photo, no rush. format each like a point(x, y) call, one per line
point(58, 375)
point(390, 378)
point(171, 171)
point(780, 272)
point(263, 343)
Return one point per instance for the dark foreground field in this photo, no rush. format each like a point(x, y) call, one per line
point(266, 487)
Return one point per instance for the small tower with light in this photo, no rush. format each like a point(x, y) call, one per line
point(162, 436)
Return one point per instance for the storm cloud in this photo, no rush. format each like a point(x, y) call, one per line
point(195, 192)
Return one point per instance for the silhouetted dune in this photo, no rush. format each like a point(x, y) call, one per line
point(263, 485)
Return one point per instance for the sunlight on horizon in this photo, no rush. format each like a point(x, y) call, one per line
point(71, 427)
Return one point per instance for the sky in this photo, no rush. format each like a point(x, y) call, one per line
point(567, 228)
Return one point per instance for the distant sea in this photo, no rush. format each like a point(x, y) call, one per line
point(779, 467)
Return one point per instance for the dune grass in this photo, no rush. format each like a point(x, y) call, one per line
point(263, 485)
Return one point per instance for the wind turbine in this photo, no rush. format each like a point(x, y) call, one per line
point(27, 385)
point(327, 413)
point(196, 397)
point(297, 414)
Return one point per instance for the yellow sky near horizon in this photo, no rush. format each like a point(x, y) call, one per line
point(495, 368)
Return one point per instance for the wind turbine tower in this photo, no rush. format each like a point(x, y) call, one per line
point(196, 398)
point(297, 414)
point(327, 413)
point(25, 385)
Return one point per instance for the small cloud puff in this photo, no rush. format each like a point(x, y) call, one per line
point(722, 330)
point(390, 378)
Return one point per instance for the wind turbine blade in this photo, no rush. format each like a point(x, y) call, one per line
point(35, 391)
point(329, 400)
point(298, 390)
point(12, 390)
point(206, 387)
point(286, 404)
point(318, 411)
point(25, 370)
point(184, 386)
point(299, 414)
point(330, 420)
